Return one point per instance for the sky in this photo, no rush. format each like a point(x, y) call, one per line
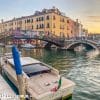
point(87, 11)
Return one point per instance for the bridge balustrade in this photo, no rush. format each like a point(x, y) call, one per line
point(49, 37)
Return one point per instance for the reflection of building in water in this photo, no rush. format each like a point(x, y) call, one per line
point(93, 53)
point(32, 52)
point(38, 52)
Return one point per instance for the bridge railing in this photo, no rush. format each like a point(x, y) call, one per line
point(49, 37)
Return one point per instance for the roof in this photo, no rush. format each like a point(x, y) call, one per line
point(25, 61)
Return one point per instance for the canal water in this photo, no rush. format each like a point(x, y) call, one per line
point(82, 69)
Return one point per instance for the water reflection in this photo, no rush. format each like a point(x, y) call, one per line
point(78, 67)
point(93, 53)
point(85, 72)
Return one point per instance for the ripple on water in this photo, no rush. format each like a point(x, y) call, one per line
point(85, 72)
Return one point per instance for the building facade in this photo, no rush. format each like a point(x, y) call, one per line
point(51, 21)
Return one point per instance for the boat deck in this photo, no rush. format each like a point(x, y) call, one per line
point(6, 91)
point(45, 82)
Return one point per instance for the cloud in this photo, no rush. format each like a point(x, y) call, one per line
point(93, 18)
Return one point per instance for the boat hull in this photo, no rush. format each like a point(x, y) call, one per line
point(61, 94)
point(41, 91)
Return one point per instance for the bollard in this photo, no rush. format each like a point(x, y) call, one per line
point(21, 87)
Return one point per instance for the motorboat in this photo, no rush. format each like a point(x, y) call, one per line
point(28, 46)
point(79, 48)
point(42, 82)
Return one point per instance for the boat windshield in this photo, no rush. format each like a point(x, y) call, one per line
point(35, 69)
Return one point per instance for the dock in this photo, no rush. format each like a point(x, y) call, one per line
point(6, 92)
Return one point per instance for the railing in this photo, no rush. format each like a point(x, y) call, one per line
point(48, 37)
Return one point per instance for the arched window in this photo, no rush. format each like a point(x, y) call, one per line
point(42, 25)
point(37, 27)
point(47, 18)
point(42, 18)
point(54, 17)
point(48, 25)
point(54, 25)
point(32, 27)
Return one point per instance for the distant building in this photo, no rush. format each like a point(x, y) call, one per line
point(45, 21)
point(85, 32)
point(94, 36)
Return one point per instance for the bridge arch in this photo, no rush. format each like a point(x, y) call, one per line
point(50, 40)
point(90, 44)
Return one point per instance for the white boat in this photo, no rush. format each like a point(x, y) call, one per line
point(6, 92)
point(79, 48)
point(28, 46)
point(41, 79)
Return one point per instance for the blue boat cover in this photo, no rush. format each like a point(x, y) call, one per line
point(16, 58)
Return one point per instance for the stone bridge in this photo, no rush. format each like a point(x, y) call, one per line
point(71, 44)
point(51, 39)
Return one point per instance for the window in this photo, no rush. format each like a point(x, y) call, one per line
point(54, 17)
point(42, 18)
point(31, 20)
point(62, 19)
point(47, 17)
point(67, 21)
point(20, 22)
point(48, 25)
point(5, 24)
point(42, 26)
point(37, 27)
point(54, 25)
point(71, 31)
point(28, 20)
point(25, 21)
point(37, 19)
point(61, 26)
point(32, 27)
point(10, 24)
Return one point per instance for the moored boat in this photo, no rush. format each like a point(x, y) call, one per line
point(79, 48)
point(42, 81)
point(28, 46)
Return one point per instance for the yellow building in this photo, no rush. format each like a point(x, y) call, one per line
point(47, 21)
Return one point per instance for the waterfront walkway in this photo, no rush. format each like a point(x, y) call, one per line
point(6, 92)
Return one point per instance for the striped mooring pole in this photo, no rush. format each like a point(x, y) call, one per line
point(18, 68)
